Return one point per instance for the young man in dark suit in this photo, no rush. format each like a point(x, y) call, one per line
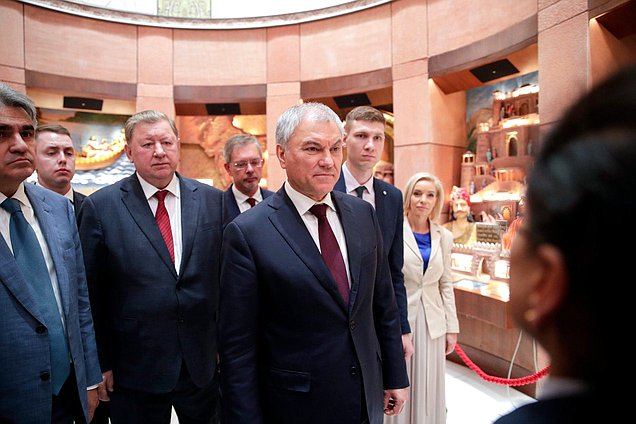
point(309, 327)
point(55, 162)
point(364, 140)
point(152, 245)
point(244, 163)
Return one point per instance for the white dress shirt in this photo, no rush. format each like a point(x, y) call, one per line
point(303, 204)
point(173, 206)
point(351, 184)
point(27, 211)
point(241, 199)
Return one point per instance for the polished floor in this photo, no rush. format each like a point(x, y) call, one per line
point(470, 399)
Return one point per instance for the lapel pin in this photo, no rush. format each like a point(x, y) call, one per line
point(384, 192)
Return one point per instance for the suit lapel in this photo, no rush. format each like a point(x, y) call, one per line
point(351, 231)
point(411, 243)
point(436, 240)
point(189, 219)
point(135, 201)
point(51, 235)
point(11, 277)
point(293, 230)
point(340, 184)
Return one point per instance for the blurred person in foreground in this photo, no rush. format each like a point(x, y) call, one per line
point(309, 327)
point(570, 276)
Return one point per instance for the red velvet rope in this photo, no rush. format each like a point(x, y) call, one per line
point(522, 381)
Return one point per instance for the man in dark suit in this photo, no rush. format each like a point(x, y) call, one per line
point(152, 245)
point(364, 140)
point(55, 162)
point(306, 339)
point(244, 163)
point(49, 370)
point(55, 168)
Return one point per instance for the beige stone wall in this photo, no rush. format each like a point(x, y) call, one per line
point(390, 46)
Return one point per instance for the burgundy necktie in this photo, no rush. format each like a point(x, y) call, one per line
point(251, 201)
point(163, 221)
point(331, 251)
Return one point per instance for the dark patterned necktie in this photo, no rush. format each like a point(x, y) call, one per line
point(28, 254)
point(360, 191)
point(251, 201)
point(330, 250)
point(163, 221)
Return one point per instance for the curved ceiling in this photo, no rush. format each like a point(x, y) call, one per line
point(207, 14)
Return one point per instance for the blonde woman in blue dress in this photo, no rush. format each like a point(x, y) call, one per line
point(431, 301)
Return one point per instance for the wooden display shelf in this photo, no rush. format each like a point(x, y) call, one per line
point(488, 334)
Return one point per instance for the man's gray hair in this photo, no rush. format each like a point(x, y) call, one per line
point(12, 98)
point(147, 117)
point(239, 140)
point(292, 117)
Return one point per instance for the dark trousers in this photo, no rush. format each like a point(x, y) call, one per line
point(66, 407)
point(193, 404)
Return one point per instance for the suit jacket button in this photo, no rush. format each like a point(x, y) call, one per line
point(40, 329)
point(181, 320)
point(353, 371)
point(352, 324)
point(45, 376)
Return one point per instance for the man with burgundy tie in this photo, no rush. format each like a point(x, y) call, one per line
point(244, 164)
point(364, 141)
point(309, 327)
point(49, 369)
point(152, 246)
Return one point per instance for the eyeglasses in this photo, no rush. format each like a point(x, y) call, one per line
point(242, 164)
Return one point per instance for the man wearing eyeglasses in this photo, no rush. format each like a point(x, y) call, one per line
point(244, 163)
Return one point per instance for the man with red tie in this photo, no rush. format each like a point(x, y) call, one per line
point(244, 164)
point(151, 247)
point(309, 326)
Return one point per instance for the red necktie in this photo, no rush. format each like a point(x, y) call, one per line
point(251, 201)
point(331, 251)
point(163, 221)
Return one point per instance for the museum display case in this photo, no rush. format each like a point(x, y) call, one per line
point(488, 334)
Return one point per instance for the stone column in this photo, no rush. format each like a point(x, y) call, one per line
point(283, 89)
point(155, 88)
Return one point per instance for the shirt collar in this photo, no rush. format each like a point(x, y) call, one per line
point(302, 202)
point(240, 197)
point(19, 195)
point(150, 190)
point(351, 183)
point(69, 195)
